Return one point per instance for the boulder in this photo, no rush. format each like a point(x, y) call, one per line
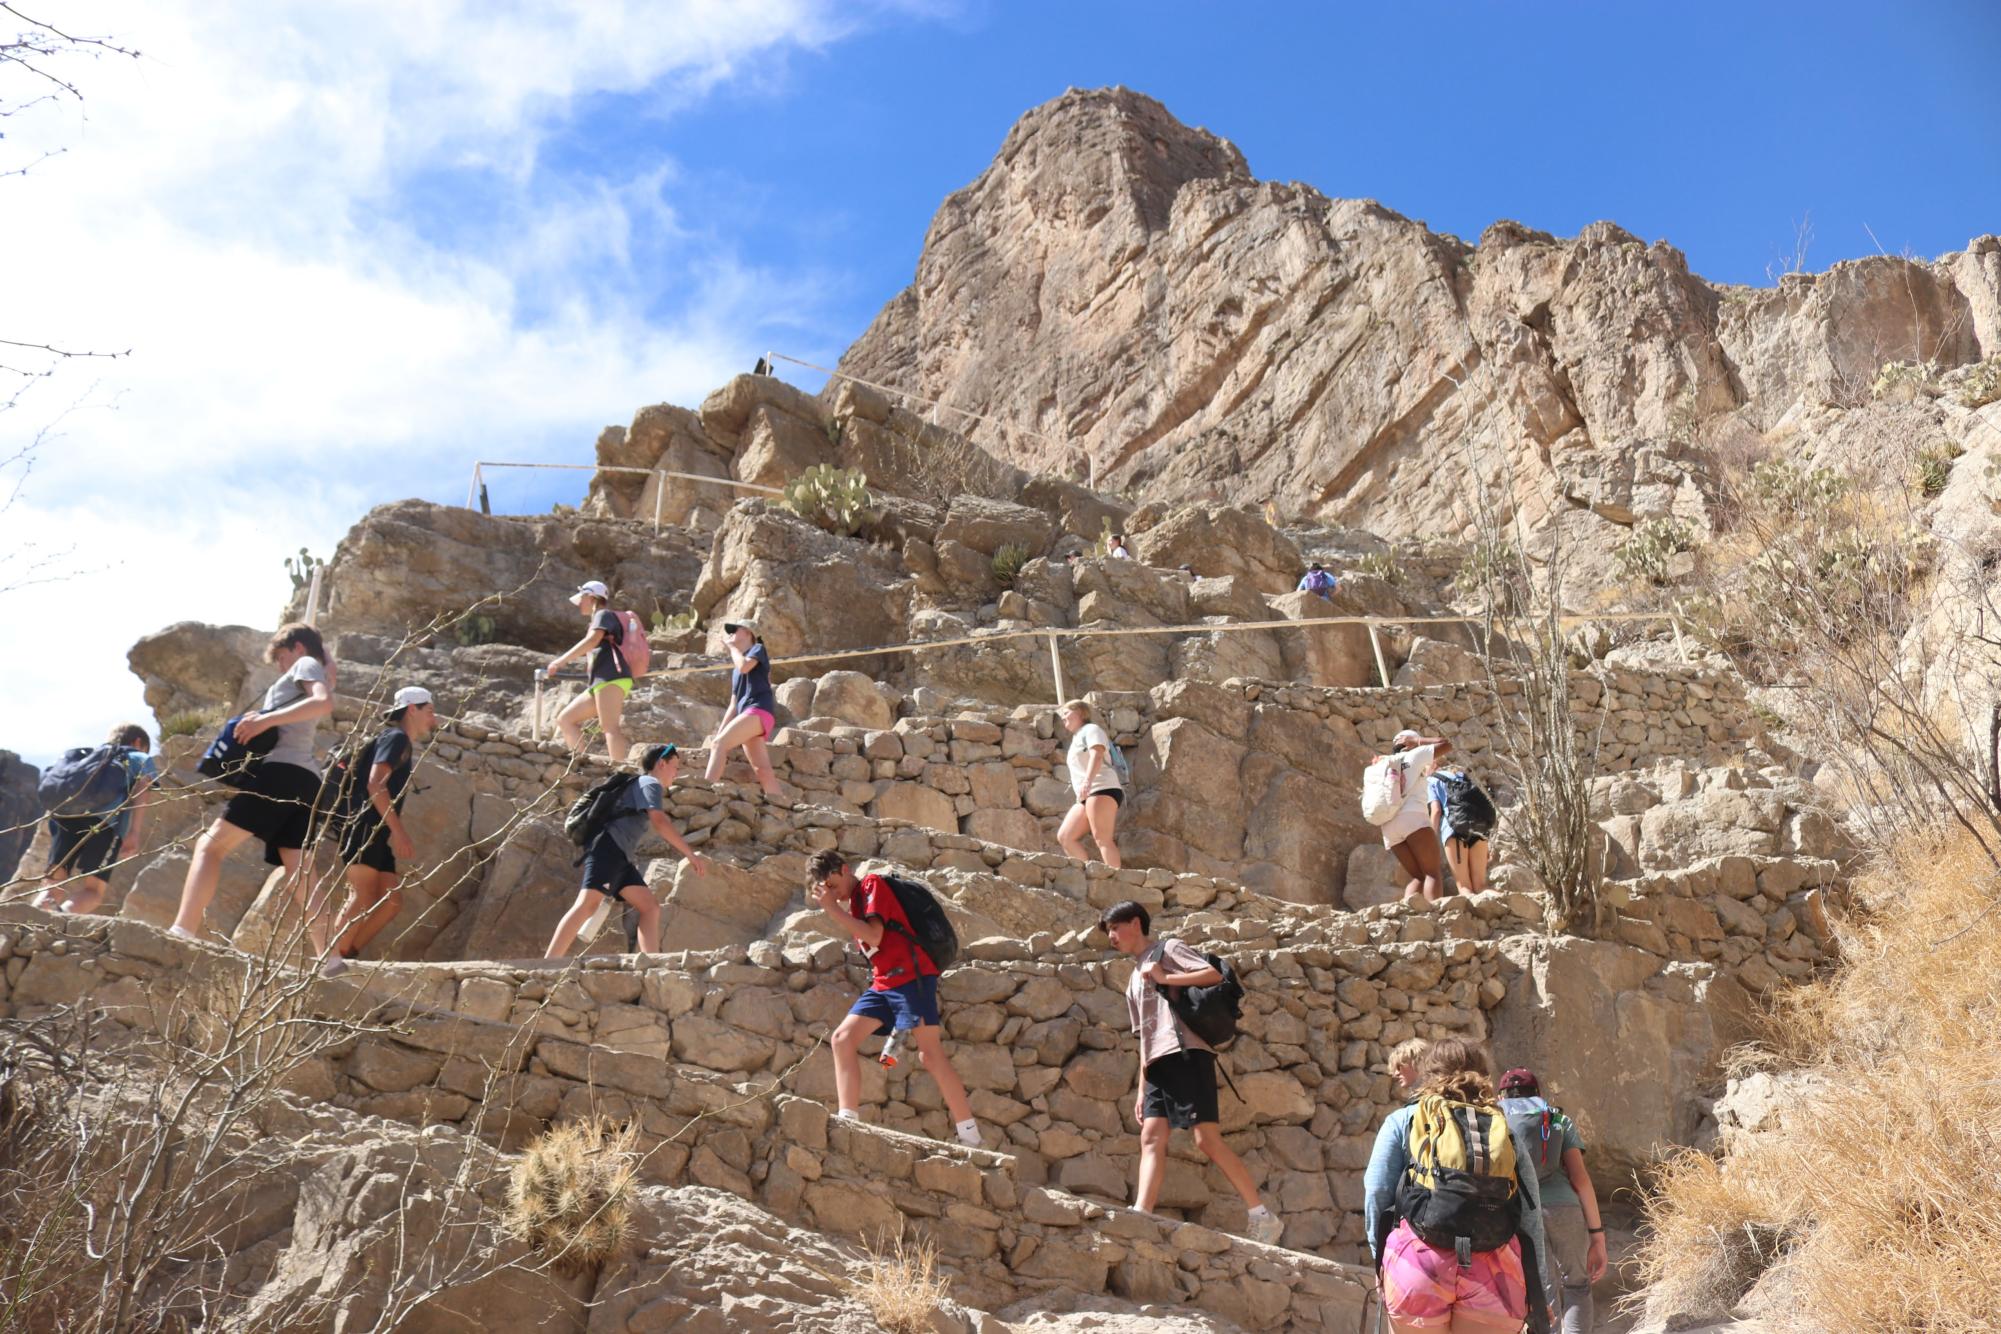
point(665, 437)
point(727, 905)
point(189, 667)
point(1223, 541)
point(778, 446)
point(808, 590)
point(918, 804)
point(1433, 662)
point(852, 698)
point(988, 525)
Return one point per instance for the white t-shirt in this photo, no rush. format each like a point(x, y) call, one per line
point(1088, 736)
point(1417, 792)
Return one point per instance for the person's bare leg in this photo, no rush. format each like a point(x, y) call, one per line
point(611, 717)
point(1103, 813)
point(1408, 861)
point(1209, 1139)
point(1476, 863)
point(648, 908)
point(86, 896)
point(312, 892)
point(741, 728)
point(1465, 1323)
point(1070, 834)
point(571, 923)
point(759, 756)
point(1153, 1134)
point(930, 1041)
point(372, 904)
point(1424, 847)
point(204, 870)
point(847, 1046)
point(570, 722)
point(1455, 858)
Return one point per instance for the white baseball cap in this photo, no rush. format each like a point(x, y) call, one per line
point(594, 587)
point(407, 696)
point(1405, 737)
point(731, 627)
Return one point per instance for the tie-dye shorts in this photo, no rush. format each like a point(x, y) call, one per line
point(1423, 1285)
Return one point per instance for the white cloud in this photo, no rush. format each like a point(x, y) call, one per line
point(230, 210)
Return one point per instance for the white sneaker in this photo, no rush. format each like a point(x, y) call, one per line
point(1267, 1229)
point(178, 930)
point(333, 967)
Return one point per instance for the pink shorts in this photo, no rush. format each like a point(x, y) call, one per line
point(1423, 1285)
point(764, 720)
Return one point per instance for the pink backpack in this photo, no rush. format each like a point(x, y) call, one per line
point(638, 654)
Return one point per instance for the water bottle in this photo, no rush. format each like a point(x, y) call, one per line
point(888, 1057)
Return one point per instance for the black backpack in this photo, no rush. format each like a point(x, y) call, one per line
point(89, 780)
point(343, 782)
point(1468, 809)
point(231, 761)
point(1210, 1012)
point(930, 929)
point(590, 813)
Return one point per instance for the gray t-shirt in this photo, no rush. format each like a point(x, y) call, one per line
point(627, 829)
point(295, 740)
point(1160, 1033)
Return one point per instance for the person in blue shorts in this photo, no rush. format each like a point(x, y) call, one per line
point(902, 999)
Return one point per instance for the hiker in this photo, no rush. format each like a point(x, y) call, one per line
point(1403, 1062)
point(1465, 842)
point(1407, 830)
point(902, 999)
point(1475, 1202)
point(1118, 549)
point(1570, 1219)
point(366, 825)
point(86, 846)
point(1177, 1087)
point(274, 804)
point(1100, 788)
point(752, 715)
point(610, 676)
point(609, 872)
point(1317, 580)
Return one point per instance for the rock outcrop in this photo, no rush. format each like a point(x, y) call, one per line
point(20, 809)
point(1120, 290)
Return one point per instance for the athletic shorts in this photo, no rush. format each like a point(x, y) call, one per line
point(608, 871)
point(764, 720)
point(82, 845)
point(1405, 823)
point(365, 842)
point(1424, 1286)
point(1117, 794)
point(275, 805)
point(622, 684)
point(1181, 1086)
point(912, 1005)
point(1466, 840)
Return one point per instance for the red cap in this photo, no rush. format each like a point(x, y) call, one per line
point(1521, 1080)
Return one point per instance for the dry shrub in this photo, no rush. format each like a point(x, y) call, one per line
point(570, 1195)
point(902, 1287)
point(1872, 1205)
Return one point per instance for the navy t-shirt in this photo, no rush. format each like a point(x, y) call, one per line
point(607, 663)
point(393, 749)
point(751, 688)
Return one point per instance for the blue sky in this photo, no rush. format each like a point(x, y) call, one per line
point(355, 246)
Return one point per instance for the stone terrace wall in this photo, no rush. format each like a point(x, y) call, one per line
point(1038, 1027)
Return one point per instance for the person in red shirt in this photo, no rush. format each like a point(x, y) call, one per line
point(902, 999)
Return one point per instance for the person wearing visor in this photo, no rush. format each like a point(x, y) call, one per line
point(610, 677)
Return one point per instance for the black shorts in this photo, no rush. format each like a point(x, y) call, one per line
point(607, 869)
point(364, 841)
point(275, 804)
point(1467, 840)
point(1117, 794)
point(82, 845)
point(1181, 1086)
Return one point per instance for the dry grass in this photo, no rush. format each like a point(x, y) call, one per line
point(902, 1287)
point(1873, 1206)
point(571, 1194)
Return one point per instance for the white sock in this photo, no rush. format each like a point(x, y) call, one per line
point(1260, 1212)
point(969, 1133)
point(849, 1114)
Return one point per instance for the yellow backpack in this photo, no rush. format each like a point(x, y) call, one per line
point(1460, 1192)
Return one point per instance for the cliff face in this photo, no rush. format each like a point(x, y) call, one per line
point(1139, 309)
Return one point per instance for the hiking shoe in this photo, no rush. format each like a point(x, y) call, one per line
point(1267, 1229)
point(333, 967)
point(182, 932)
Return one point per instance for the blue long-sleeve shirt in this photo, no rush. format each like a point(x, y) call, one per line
point(1391, 1156)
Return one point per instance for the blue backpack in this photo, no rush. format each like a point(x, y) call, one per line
point(89, 780)
point(229, 760)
